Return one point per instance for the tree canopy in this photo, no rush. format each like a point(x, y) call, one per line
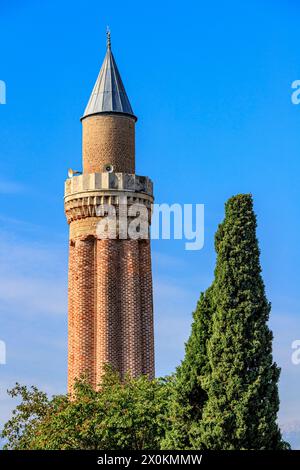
point(121, 415)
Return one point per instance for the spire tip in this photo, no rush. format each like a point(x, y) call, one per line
point(108, 42)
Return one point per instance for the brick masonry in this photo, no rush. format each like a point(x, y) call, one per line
point(108, 139)
point(110, 308)
point(110, 312)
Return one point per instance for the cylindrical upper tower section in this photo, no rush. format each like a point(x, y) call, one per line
point(108, 139)
point(108, 123)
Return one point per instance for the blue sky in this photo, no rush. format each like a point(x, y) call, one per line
point(211, 85)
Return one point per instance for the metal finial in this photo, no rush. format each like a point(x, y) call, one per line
point(108, 43)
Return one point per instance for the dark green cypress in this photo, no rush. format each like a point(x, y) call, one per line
point(188, 395)
point(240, 410)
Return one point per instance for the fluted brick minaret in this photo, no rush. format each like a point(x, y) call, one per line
point(110, 280)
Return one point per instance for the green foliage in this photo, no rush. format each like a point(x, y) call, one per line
point(128, 415)
point(188, 396)
point(34, 407)
point(241, 383)
point(225, 393)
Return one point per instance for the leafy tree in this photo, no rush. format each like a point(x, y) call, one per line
point(242, 393)
point(34, 407)
point(128, 415)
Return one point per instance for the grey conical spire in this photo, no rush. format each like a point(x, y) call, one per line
point(108, 95)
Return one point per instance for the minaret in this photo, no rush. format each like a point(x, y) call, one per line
point(110, 309)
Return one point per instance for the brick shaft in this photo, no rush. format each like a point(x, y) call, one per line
point(108, 316)
point(81, 330)
point(131, 308)
point(110, 308)
point(147, 307)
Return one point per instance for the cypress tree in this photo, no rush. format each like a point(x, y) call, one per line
point(188, 395)
point(241, 379)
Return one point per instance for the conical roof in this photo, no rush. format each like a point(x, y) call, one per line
point(108, 95)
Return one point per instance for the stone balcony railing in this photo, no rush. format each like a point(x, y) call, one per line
point(94, 182)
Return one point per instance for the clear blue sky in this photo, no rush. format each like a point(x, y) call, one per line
point(211, 85)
